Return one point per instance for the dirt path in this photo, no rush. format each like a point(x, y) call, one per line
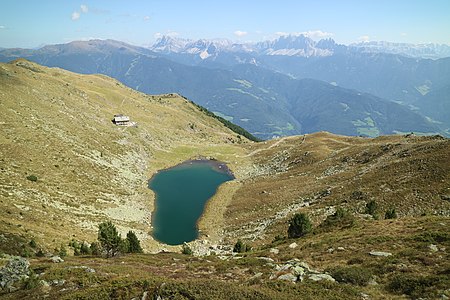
point(273, 145)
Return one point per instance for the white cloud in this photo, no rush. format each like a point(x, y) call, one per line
point(281, 33)
point(240, 33)
point(317, 34)
point(146, 18)
point(75, 16)
point(2, 27)
point(364, 38)
point(84, 8)
point(403, 34)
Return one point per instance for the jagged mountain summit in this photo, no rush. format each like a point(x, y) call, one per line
point(290, 45)
point(295, 45)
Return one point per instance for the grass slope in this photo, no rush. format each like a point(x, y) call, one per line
point(56, 125)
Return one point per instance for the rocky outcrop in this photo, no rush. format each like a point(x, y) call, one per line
point(16, 270)
point(380, 253)
point(295, 270)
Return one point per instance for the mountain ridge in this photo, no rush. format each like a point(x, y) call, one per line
point(263, 108)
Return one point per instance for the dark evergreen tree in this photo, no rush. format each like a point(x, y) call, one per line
point(299, 225)
point(109, 238)
point(134, 245)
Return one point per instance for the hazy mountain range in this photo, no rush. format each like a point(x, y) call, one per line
point(290, 85)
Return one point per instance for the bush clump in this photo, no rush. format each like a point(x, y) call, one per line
point(299, 225)
point(371, 209)
point(390, 214)
point(186, 249)
point(353, 274)
point(32, 178)
point(340, 219)
point(241, 247)
point(412, 285)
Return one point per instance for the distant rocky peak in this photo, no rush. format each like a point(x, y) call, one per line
point(328, 43)
point(168, 44)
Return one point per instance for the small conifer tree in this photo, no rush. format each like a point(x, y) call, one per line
point(109, 238)
point(299, 225)
point(134, 245)
point(371, 208)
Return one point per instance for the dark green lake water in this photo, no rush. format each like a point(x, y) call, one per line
point(181, 195)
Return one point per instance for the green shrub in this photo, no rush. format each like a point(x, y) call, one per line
point(354, 275)
point(340, 219)
point(371, 209)
point(32, 243)
point(412, 285)
point(241, 247)
point(62, 252)
point(186, 249)
point(85, 249)
point(390, 214)
point(433, 237)
point(124, 246)
point(40, 253)
point(32, 178)
point(355, 261)
point(299, 225)
point(95, 248)
point(31, 282)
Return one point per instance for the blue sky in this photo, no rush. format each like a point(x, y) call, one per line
point(32, 23)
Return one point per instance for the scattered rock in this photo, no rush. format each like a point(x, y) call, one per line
point(320, 277)
point(274, 251)
point(299, 271)
point(56, 259)
point(257, 275)
point(90, 270)
point(58, 282)
point(365, 296)
point(144, 296)
point(330, 250)
point(433, 248)
point(341, 248)
point(288, 277)
point(293, 245)
point(15, 270)
point(268, 259)
point(380, 253)
point(45, 286)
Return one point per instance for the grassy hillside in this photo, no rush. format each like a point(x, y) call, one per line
point(56, 125)
point(321, 171)
point(65, 167)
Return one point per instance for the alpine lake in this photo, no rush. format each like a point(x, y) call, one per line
point(181, 195)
